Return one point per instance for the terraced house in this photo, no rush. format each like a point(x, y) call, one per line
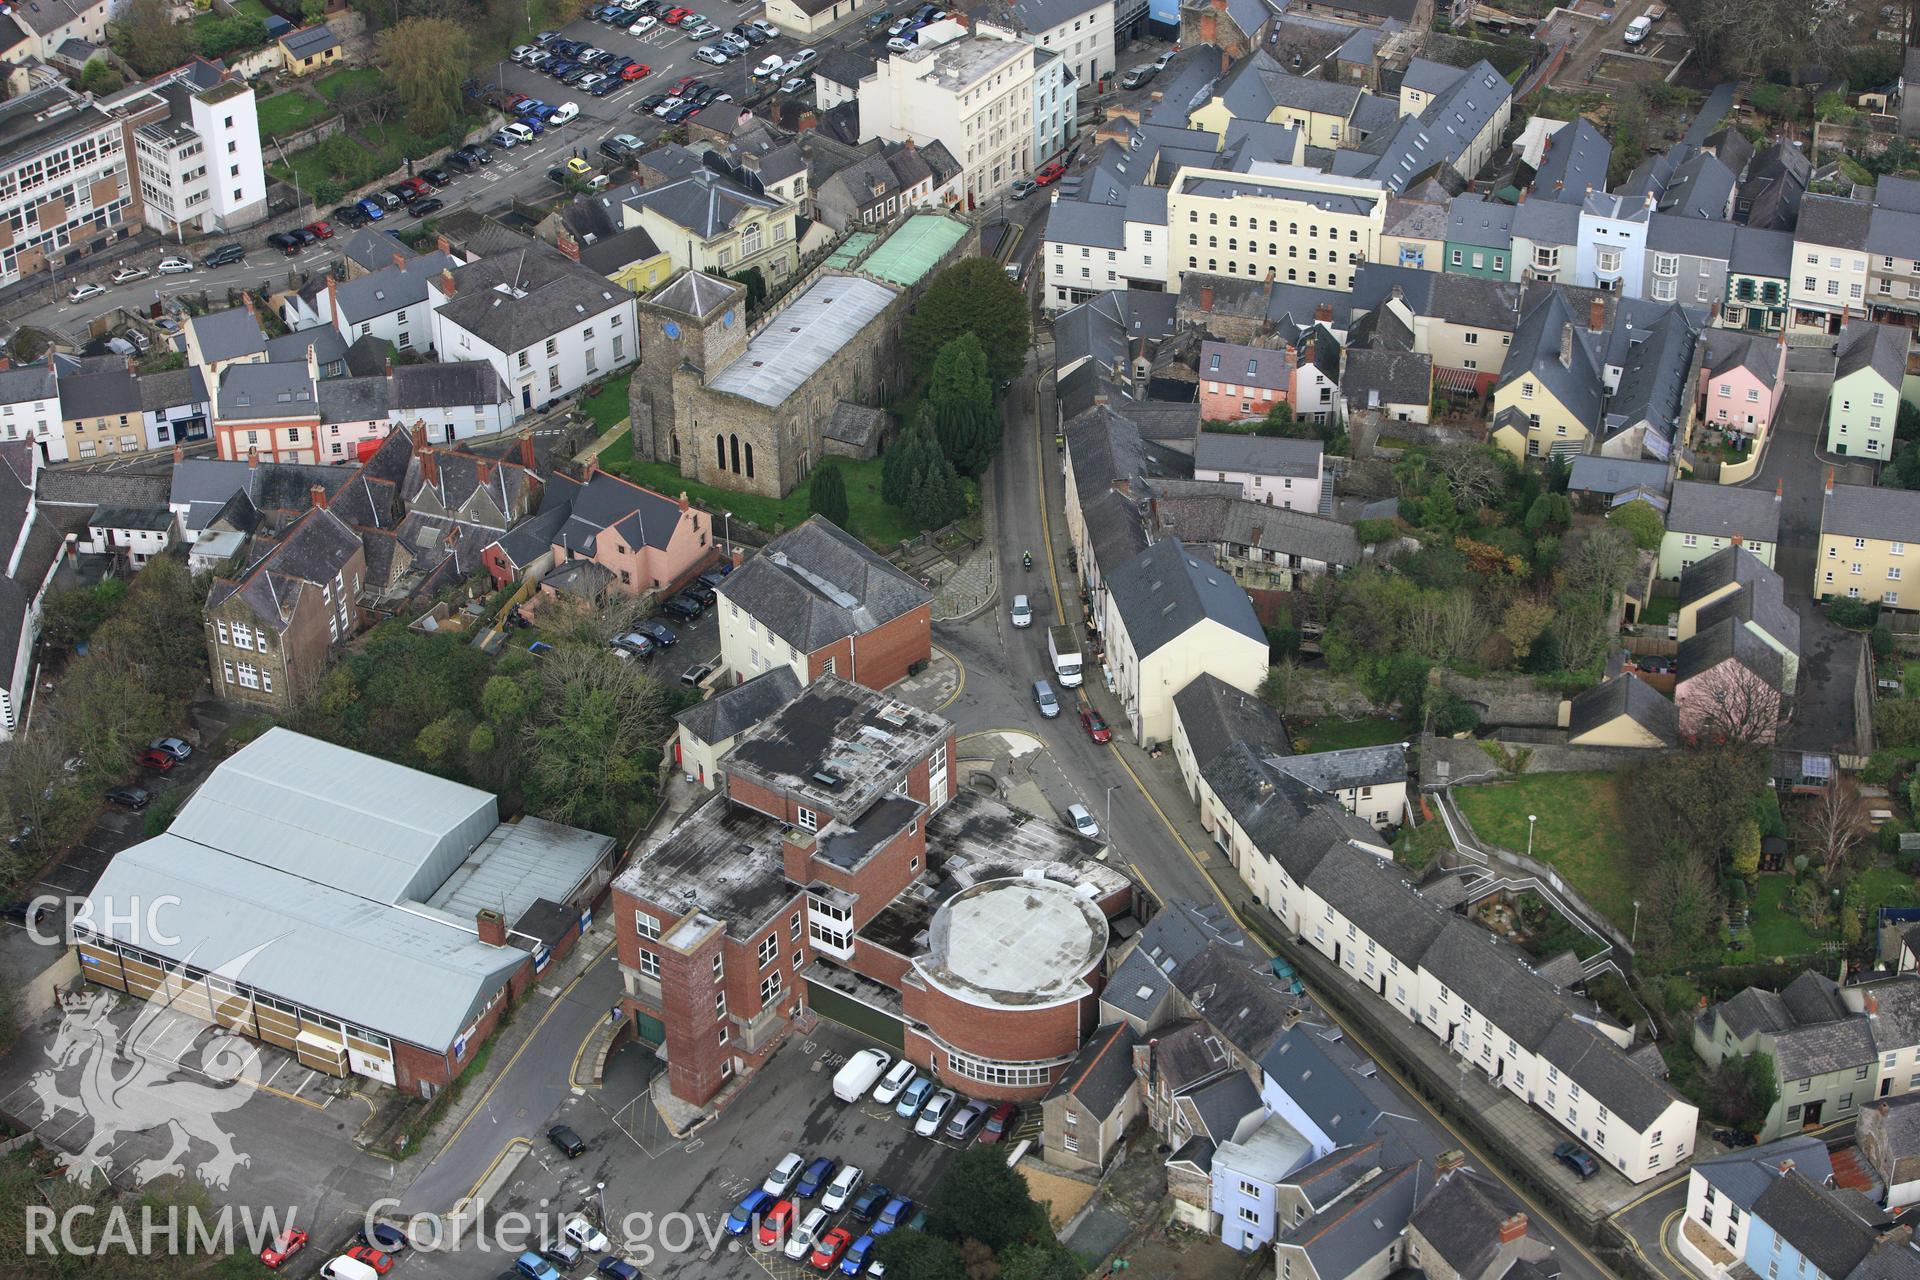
point(1285, 222)
point(1863, 544)
point(707, 221)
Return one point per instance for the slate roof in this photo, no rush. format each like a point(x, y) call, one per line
point(1341, 1240)
point(1371, 892)
point(1460, 1219)
point(1260, 455)
point(1711, 239)
point(23, 383)
point(1164, 593)
point(172, 389)
point(1880, 347)
point(1595, 474)
point(1577, 157)
point(1238, 995)
point(352, 399)
point(521, 299)
point(1834, 222)
point(1744, 1174)
point(1813, 1220)
point(1101, 1074)
point(454, 382)
point(705, 204)
point(1476, 220)
point(1819, 1048)
point(1653, 380)
point(1725, 350)
point(640, 516)
point(695, 293)
point(1445, 128)
point(816, 584)
point(1896, 1015)
point(741, 706)
point(1536, 354)
point(316, 548)
point(1374, 378)
point(1762, 597)
point(1761, 251)
point(1712, 645)
point(264, 391)
point(106, 393)
point(391, 288)
point(1720, 511)
point(1215, 716)
point(1701, 187)
point(328, 347)
point(1332, 771)
point(1221, 1105)
point(225, 335)
point(1625, 695)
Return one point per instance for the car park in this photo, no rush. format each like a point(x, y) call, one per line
point(742, 1216)
point(784, 1174)
point(838, 1192)
point(1082, 822)
point(887, 1092)
point(966, 1120)
point(1000, 1122)
point(898, 1210)
point(775, 1224)
point(800, 1243)
point(566, 1141)
point(938, 1107)
point(828, 1248)
point(818, 1172)
point(913, 1098)
point(173, 266)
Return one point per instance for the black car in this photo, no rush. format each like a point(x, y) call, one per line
point(284, 242)
point(682, 112)
point(878, 21)
point(134, 798)
point(225, 254)
point(606, 87)
point(615, 151)
point(426, 208)
point(350, 214)
point(303, 236)
point(682, 607)
point(704, 94)
point(567, 1141)
point(715, 576)
point(700, 591)
point(662, 634)
point(557, 176)
point(436, 177)
point(382, 1237)
point(481, 152)
point(1583, 1165)
point(649, 102)
point(459, 162)
point(755, 36)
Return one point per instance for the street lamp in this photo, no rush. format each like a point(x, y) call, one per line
point(1109, 827)
point(600, 1193)
point(1531, 819)
point(1633, 936)
point(726, 528)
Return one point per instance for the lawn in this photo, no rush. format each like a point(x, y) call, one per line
point(304, 167)
point(1339, 735)
point(1775, 932)
point(1578, 831)
point(1658, 611)
point(290, 112)
point(609, 407)
point(252, 9)
point(869, 517)
point(1887, 887)
point(335, 85)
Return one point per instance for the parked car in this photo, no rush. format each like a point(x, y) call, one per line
point(856, 1257)
point(225, 254)
point(1051, 173)
point(591, 81)
point(459, 162)
point(845, 1183)
point(372, 209)
point(967, 1119)
point(583, 1233)
point(134, 798)
point(712, 56)
point(662, 635)
point(534, 1267)
point(818, 1173)
point(606, 87)
point(436, 177)
point(633, 642)
point(1583, 1165)
point(1166, 57)
point(344, 1268)
point(81, 292)
point(382, 1236)
point(768, 66)
point(617, 1269)
point(1095, 726)
point(800, 61)
point(1638, 30)
point(887, 1091)
point(426, 208)
point(504, 140)
point(151, 759)
point(772, 32)
point(283, 1247)
point(652, 102)
point(913, 1098)
point(870, 1201)
point(797, 84)
point(755, 36)
point(635, 71)
point(901, 43)
point(564, 1257)
point(1001, 1121)
point(775, 1224)
point(898, 1210)
point(756, 1203)
point(936, 1113)
point(784, 1174)
point(129, 273)
point(1023, 187)
point(643, 25)
point(566, 1140)
point(682, 608)
point(380, 1262)
point(173, 266)
point(173, 746)
point(1082, 822)
point(800, 1243)
point(876, 21)
point(828, 1248)
point(1139, 77)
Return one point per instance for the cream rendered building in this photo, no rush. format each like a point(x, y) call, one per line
point(974, 93)
point(1867, 538)
point(1303, 226)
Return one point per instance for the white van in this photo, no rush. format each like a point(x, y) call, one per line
point(1638, 29)
point(851, 1082)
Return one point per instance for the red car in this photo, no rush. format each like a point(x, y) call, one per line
point(636, 71)
point(513, 101)
point(152, 759)
point(1052, 173)
point(1001, 1121)
point(1095, 726)
point(289, 1243)
point(680, 86)
point(776, 1224)
point(673, 17)
point(380, 1262)
point(321, 229)
point(418, 186)
point(829, 1248)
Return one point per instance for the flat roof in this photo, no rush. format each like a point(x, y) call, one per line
point(1020, 942)
point(850, 248)
point(723, 859)
point(838, 746)
point(915, 248)
point(801, 337)
point(520, 864)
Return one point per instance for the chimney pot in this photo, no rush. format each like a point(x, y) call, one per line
point(318, 494)
point(492, 927)
point(1513, 1228)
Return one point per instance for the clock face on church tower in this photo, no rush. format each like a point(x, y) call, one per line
point(673, 331)
point(726, 321)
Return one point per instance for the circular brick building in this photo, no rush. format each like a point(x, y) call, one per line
point(1007, 986)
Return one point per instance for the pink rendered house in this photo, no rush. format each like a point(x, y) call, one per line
point(1742, 377)
point(642, 539)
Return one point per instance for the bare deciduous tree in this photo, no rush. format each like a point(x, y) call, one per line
point(1833, 824)
point(1474, 474)
point(1730, 703)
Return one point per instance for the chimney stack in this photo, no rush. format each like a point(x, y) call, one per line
point(1323, 312)
point(738, 556)
point(526, 449)
point(429, 467)
point(1206, 297)
point(1780, 488)
point(483, 471)
point(333, 298)
point(179, 454)
point(1513, 1228)
point(453, 536)
point(1776, 496)
point(1872, 1003)
point(683, 502)
point(318, 495)
point(446, 281)
point(1737, 539)
point(492, 926)
point(443, 244)
point(419, 435)
point(1566, 345)
point(1448, 1161)
point(253, 456)
point(1597, 315)
point(400, 259)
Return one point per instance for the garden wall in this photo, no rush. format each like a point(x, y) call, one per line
point(1468, 761)
point(1506, 700)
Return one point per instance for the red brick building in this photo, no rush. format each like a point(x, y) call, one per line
point(820, 601)
point(787, 894)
